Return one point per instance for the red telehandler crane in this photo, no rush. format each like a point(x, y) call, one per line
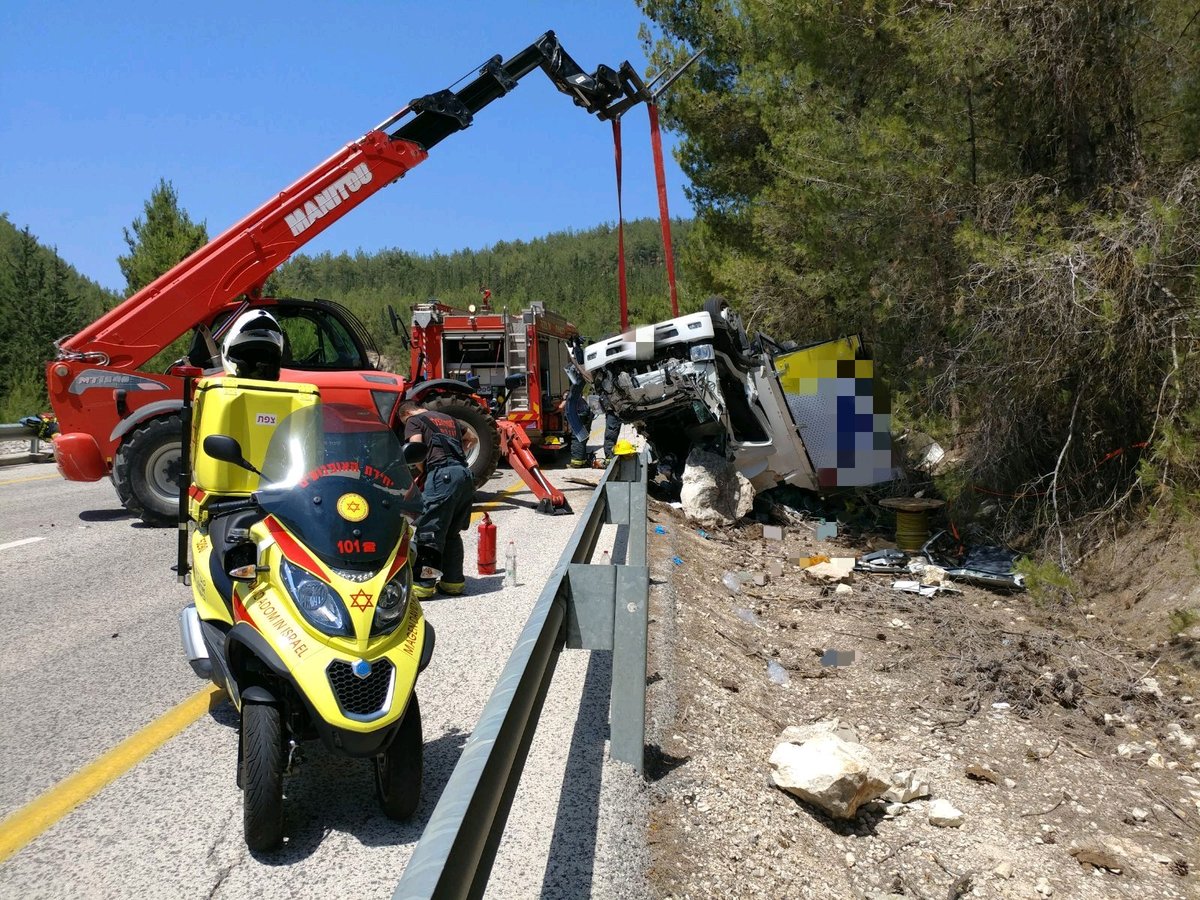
point(118, 420)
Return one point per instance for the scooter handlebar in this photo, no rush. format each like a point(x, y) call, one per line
point(228, 507)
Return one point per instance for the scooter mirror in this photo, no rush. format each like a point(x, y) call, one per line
point(226, 449)
point(413, 452)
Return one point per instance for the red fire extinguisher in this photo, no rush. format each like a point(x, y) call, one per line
point(487, 546)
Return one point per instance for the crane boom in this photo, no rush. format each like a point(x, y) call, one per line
point(240, 260)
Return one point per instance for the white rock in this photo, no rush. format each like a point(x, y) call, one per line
point(1004, 870)
point(831, 773)
point(907, 785)
point(714, 493)
point(1149, 687)
point(843, 589)
point(1138, 814)
point(1156, 761)
point(1043, 887)
point(943, 814)
point(1176, 734)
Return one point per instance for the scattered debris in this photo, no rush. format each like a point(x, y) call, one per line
point(1098, 859)
point(774, 568)
point(826, 531)
point(943, 814)
point(838, 657)
point(777, 673)
point(909, 785)
point(772, 533)
point(733, 581)
point(836, 569)
point(982, 773)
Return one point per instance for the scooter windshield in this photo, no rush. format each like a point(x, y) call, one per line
point(334, 475)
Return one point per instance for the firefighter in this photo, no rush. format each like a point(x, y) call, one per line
point(448, 490)
point(575, 406)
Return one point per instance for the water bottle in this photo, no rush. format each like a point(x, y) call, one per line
point(510, 565)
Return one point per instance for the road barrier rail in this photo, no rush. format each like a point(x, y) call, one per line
point(583, 606)
point(24, 432)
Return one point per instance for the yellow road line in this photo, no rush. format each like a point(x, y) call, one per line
point(493, 504)
point(30, 478)
point(43, 811)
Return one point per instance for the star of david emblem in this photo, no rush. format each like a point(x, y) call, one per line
point(361, 600)
point(353, 506)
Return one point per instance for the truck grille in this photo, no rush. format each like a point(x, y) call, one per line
point(361, 697)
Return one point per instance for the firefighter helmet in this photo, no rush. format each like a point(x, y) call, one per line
point(254, 347)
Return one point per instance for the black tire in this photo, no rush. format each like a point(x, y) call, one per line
point(147, 468)
point(482, 462)
point(262, 776)
point(398, 769)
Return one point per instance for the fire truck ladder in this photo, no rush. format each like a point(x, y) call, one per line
point(518, 360)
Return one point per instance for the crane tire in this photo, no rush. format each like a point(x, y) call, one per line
point(146, 470)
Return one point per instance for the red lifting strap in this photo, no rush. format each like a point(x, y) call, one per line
point(624, 291)
point(663, 214)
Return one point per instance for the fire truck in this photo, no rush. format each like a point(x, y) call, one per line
point(515, 362)
point(118, 419)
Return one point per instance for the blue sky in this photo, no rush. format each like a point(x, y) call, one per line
point(234, 101)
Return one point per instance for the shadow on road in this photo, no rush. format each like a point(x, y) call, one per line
point(571, 865)
point(333, 793)
point(105, 515)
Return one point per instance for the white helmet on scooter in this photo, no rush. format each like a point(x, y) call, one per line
point(253, 348)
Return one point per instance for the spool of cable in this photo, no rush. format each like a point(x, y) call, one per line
point(912, 520)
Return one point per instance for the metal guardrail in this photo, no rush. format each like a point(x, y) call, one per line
point(583, 606)
point(21, 432)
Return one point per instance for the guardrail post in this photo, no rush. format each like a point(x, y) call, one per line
point(22, 432)
point(607, 609)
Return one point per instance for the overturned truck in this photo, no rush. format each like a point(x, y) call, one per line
point(815, 417)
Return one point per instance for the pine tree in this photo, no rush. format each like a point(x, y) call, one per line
point(159, 240)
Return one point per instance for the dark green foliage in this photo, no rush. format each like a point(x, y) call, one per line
point(1004, 196)
point(157, 242)
point(573, 273)
point(41, 299)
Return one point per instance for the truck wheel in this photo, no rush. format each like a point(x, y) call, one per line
point(146, 470)
point(398, 768)
point(262, 776)
point(482, 460)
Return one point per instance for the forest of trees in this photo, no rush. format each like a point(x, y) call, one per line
point(1004, 196)
point(41, 299)
point(574, 273)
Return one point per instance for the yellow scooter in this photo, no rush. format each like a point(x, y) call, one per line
point(301, 576)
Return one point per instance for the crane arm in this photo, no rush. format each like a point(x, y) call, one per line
point(240, 260)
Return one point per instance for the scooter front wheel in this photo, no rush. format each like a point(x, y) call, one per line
point(398, 769)
point(262, 776)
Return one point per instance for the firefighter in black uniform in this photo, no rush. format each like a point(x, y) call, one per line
point(448, 490)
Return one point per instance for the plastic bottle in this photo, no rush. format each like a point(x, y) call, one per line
point(510, 565)
point(605, 559)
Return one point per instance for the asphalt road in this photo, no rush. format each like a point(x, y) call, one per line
point(90, 655)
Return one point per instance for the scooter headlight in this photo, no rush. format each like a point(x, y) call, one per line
point(318, 602)
point(393, 603)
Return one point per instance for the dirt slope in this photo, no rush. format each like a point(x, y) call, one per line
point(1054, 706)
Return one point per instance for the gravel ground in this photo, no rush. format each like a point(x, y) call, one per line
point(1077, 766)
